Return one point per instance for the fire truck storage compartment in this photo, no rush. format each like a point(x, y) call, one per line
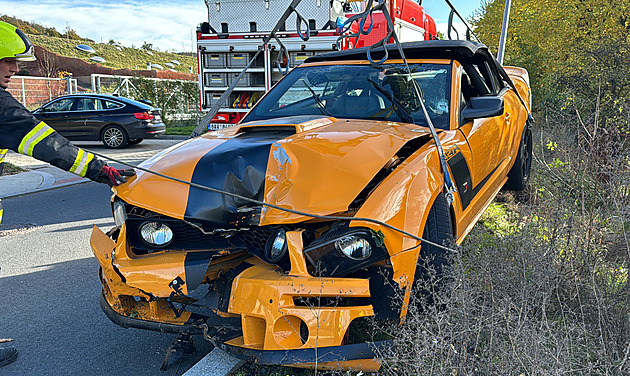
point(248, 79)
point(214, 60)
point(215, 79)
point(241, 59)
point(298, 57)
point(213, 97)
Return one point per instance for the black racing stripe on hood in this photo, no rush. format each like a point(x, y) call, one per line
point(239, 166)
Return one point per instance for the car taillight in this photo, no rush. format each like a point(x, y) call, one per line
point(143, 116)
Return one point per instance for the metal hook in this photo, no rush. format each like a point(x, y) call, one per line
point(362, 23)
point(361, 17)
point(382, 42)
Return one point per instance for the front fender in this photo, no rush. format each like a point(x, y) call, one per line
point(403, 200)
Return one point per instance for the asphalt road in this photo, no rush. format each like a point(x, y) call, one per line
point(49, 289)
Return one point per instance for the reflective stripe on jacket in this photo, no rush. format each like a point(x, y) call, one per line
point(22, 132)
point(3, 153)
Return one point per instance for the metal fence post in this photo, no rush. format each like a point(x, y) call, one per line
point(69, 84)
point(23, 93)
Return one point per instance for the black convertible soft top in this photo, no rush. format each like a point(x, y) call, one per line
point(461, 50)
point(432, 49)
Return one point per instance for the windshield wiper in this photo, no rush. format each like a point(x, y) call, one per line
point(401, 111)
point(320, 104)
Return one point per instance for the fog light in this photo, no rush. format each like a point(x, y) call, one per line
point(354, 247)
point(276, 247)
point(155, 233)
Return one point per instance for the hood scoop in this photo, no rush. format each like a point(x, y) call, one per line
point(297, 124)
point(286, 130)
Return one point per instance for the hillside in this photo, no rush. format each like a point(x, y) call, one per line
point(116, 57)
point(130, 58)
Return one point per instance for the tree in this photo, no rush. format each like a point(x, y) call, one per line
point(574, 47)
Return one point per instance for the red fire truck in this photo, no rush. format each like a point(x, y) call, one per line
point(235, 31)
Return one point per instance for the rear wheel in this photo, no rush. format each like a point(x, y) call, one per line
point(135, 141)
point(114, 137)
point(433, 260)
point(519, 174)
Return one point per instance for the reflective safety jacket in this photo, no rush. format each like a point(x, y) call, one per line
point(22, 132)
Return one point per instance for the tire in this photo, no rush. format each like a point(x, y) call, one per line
point(136, 141)
point(114, 137)
point(433, 260)
point(519, 174)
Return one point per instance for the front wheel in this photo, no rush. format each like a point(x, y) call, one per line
point(519, 174)
point(114, 137)
point(433, 260)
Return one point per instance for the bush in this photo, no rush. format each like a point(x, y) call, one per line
point(541, 288)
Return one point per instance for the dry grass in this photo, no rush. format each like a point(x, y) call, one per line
point(540, 287)
point(11, 169)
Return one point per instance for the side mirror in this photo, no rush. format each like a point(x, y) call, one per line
point(483, 107)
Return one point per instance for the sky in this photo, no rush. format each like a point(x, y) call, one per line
point(168, 25)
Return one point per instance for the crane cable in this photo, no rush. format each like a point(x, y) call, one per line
point(362, 18)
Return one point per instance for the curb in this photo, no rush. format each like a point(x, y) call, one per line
point(58, 184)
point(216, 363)
point(172, 137)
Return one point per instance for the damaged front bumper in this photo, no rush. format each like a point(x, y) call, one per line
point(244, 306)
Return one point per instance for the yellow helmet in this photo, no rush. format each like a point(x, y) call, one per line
point(15, 44)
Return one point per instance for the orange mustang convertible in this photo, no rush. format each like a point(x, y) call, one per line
point(284, 231)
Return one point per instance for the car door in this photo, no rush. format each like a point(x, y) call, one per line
point(56, 115)
point(484, 138)
point(85, 120)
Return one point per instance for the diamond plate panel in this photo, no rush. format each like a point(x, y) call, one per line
point(239, 13)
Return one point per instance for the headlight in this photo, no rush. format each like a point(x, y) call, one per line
point(276, 247)
point(354, 247)
point(156, 234)
point(120, 214)
point(342, 251)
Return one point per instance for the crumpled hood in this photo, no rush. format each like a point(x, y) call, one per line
point(318, 166)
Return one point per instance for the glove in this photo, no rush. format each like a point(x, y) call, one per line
point(112, 176)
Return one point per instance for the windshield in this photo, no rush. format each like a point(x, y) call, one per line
point(361, 92)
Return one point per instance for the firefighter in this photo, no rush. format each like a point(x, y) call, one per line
point(21, 132)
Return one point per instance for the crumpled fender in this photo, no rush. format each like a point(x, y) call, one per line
point(392, 203)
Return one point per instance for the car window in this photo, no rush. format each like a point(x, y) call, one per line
point(473, 83)
point(361, 92)
point(85, 104)
point(60, 105)
point(489, 78)
point(109, 105)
